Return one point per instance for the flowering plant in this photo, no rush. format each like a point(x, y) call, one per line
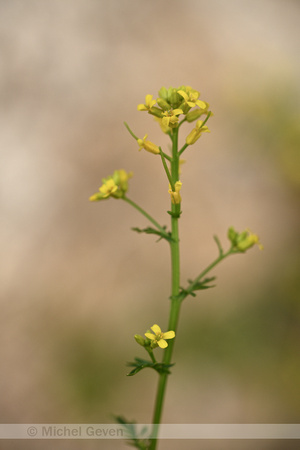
point(171, 110)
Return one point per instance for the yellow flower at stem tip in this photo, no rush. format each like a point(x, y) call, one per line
point(158, 338)
point(108, 188)
point(244, 240)
point(148, 145)
point(247, 239)
point(175, 195)
point(115, 186)
point(148, 103)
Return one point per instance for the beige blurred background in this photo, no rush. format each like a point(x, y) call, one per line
point(77, 283)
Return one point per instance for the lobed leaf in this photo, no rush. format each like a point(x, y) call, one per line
point(163, 235)
point(141, 364)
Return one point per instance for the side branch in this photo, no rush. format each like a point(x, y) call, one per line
point(161, 229)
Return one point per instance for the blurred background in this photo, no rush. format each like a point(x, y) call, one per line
point(77, 283)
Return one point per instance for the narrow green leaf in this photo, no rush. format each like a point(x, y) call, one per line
point(135, 439)
point(201, 284)
point(150, 230)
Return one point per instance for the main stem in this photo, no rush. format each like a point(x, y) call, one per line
point(175, 301)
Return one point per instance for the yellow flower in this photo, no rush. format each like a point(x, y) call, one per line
point(191, 99)
point(196, 132)
point(170, 118)
point(244, 240)
point(158, 338)
point(148, 145)
point(115, 185)
point(175, 195)
point(121, 178)
point(108, 188)
point(148, 103)
point(164, 128)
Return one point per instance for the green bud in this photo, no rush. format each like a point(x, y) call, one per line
point(185, 108)
point(139, 339)
point(163, 93)
point(174, 98)
point(156, 112)
point(194, 115)
point(242, 236)
point(147, 342)
point(163, 104)
point(232, 235)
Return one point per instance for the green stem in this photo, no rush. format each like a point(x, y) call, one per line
point(175, 302)
point(151, 355)
point(180, 123)
point(166, 156)
point(183, 148)
point(131, 132)
point(206, 119)
point(166, 168)
point(142, 211)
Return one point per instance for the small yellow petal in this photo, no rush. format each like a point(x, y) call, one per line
point(141, 107)
point(177, 111)
point(162, 343)
point(169, 335)
point(156, 329)
point(183, 94)
point(165, 121)
point(201, 104)
point(150, 336)
point(148, 99)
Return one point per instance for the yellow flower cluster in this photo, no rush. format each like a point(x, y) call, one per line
point(244, 240)
point(173, 102)
point(115, 185)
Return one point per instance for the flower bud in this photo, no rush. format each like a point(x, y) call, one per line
point(232, 235)
point(192, 137)
point(139, 339)
point(163, 93)
point(163, 104)
point(156, 112)
point(173, 97)
point(175, 195)
point(194, 115)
